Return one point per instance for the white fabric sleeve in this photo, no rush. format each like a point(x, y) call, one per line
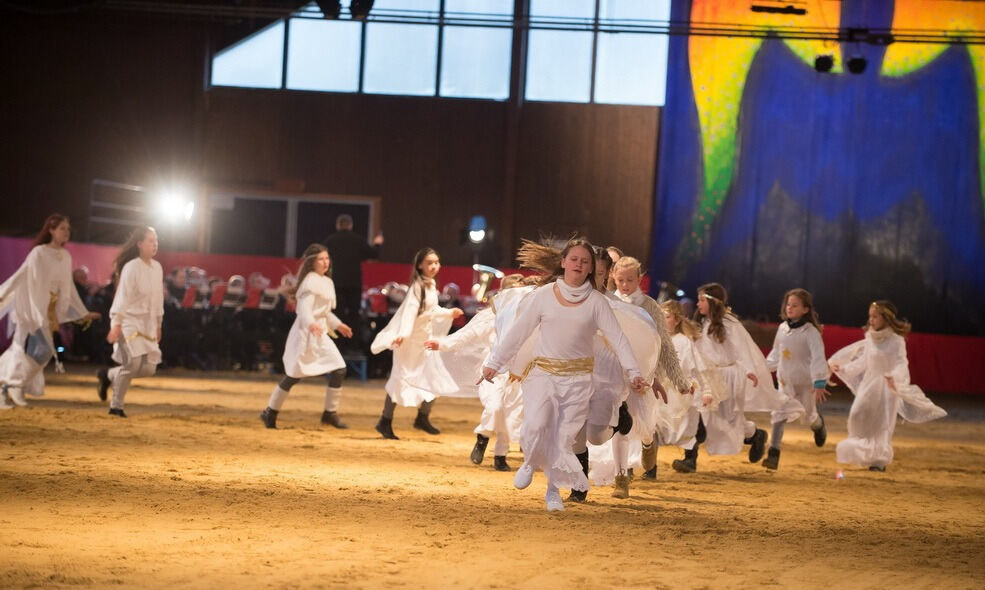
point(607, 323)
point(333, 321)
point(121, 299)
point(480, 327)
point(411, 305)
point(901, 366)
point(519, 330)
point(306, 308)
point(9, 287)
point(819, 366)
point(773, 358)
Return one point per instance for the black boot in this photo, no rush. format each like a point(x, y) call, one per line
point(332, 419)
point(702, 432)
point(625, 420)
point(117, 412)
point(385, 427)
point(689, 464)
point(757, 445)
point(423, 423)
point(479, 450)
point(772, 460)
point(821, 434)
point(104, 383)
point(500, 464)
point(575, 495)
point(651, 473)
point(269, 417)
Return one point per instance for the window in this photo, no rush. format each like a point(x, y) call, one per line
point(576, 51)
point(629, 68)
point(257, 61)
point(323, 55)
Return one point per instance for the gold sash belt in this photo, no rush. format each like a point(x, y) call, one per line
point(561, 367)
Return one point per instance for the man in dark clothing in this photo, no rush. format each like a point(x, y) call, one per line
point(347, 251)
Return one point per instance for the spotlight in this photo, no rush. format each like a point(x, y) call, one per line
point(824, 63)
point(174, 206)
point(856, 64)
point(330, 9)
point(477, 229)
point(360, 8)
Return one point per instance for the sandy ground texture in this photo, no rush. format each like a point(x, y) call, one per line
point(192, 491)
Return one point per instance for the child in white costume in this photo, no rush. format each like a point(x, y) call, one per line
point(742, 374)
point(418, 320)
point(877, 372)
point(309, 350)
point(135, 317)
point(35, 299)
point(644, 409)
point(801, 370)
point(501, 399)
point(558, 386)
point(678, 420)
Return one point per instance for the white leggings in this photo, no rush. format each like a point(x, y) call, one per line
point(122, 375)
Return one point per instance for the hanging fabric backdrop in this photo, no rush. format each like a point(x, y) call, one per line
point(853, 186)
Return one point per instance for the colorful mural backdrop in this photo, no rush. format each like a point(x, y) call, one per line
point(855, 186)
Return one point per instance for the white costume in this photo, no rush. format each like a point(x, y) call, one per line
point(863, 367)
point(798, 359)
point(731, 362)
point(38, 296)
point(307, 355)
point(138, 308)
point(501, 401)
point(677, 420)
point(558, 384)
point(418, 319)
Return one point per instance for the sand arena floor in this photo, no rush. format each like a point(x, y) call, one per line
point(192, 491)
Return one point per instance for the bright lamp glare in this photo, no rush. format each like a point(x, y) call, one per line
point(477, 235)
point(173, 207)
point(680, 293)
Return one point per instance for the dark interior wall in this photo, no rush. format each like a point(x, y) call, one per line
point(590, 169)
point(124, 99)
point(92, 98)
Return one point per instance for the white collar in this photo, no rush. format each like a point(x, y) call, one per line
point(574, 294)
point(636, 297)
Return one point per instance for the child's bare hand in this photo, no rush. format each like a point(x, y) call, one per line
point(431, 345)
point(752, 377)
point(706, 400)
point(821, 395)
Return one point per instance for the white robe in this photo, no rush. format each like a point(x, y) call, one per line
point(555, 407)
point(307, 355)
point(415, 322)
point(25, 297)
point(863, 367)
point(731, 361)
point(677, 420)
point(138, 307)
point(798, 359)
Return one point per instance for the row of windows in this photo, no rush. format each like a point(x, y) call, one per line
point(424, 58)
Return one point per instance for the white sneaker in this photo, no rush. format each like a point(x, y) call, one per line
point(553, 499)
point(524, 475)
point(16, 395)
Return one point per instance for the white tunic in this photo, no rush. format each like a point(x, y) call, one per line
point(25, 298)
point(138, 307)
point(799, 361)
point(864, 366)
point(416, 321)
point(307, 355)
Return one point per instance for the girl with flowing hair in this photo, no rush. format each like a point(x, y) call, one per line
point(309, 350)
point(135, 317)
point(557, 382)
point(746, 382)
point(418, 319)
point(876, 370)
point(798, 359)
point(38, 297)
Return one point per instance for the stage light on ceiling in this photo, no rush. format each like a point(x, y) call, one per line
point(330, 9)
point(477, 229)
point(174, 206)
point(856, 64)
point(360, 8)
point(824, 63)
